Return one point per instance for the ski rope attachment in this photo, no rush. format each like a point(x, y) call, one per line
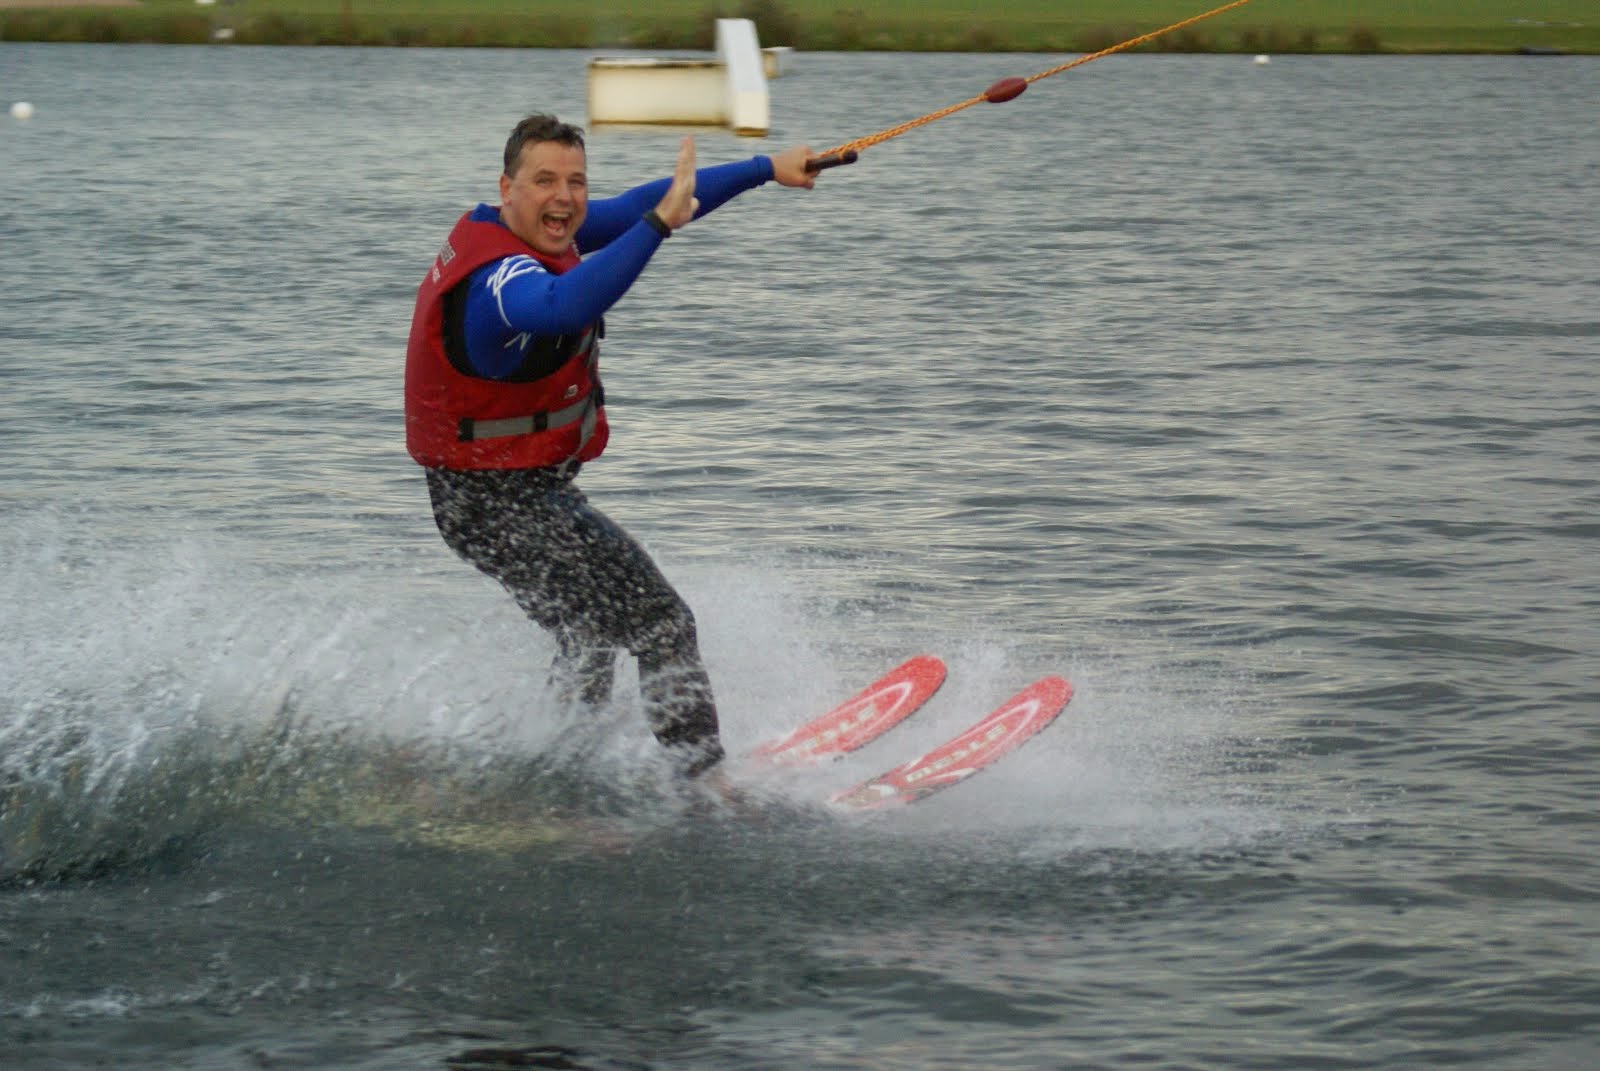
point(1003, 90)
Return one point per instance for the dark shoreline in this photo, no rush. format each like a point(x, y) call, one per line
point(846, 33)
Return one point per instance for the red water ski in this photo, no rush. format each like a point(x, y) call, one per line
point(864, 717)
point(1023, 715)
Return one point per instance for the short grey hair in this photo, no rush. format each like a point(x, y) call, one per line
point(535, 129)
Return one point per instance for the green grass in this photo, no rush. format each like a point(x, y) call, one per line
point(1325, 26)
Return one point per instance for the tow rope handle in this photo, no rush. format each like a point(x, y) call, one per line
point(831, 159)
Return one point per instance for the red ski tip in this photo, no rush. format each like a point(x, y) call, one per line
point(862, 718)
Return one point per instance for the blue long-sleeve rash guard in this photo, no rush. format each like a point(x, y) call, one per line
point(509, 301)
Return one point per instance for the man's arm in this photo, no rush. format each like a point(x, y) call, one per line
point(516, 298)
point(713, 188)
point(513, 299)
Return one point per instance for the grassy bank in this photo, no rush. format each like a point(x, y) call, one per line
point(1277, 26)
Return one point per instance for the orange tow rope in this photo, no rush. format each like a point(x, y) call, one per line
point(1003, 90)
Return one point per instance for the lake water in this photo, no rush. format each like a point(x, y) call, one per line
point(1260, 401)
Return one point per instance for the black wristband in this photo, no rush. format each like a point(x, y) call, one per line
point(658, 224)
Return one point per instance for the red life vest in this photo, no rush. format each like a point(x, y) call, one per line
point(459, 421)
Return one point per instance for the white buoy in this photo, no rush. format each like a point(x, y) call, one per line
point(1262, 61)
point(22, 111)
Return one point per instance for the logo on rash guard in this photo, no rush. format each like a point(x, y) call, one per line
point(505, 273)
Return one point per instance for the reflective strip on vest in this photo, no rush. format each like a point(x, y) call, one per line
point(469, 430)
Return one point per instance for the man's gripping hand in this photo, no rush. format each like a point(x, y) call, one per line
point(789, 168)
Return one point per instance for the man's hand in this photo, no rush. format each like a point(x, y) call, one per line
point(679, 205)
point(789, 168)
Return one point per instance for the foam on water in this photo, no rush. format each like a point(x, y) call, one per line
point(152, 689)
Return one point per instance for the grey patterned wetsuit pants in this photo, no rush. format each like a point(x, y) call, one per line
point(577, 573)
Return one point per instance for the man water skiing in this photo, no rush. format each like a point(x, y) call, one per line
point(504, 405)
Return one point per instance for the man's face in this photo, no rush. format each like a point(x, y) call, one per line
point(545, 201)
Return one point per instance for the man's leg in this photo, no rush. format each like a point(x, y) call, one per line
point(576, 572)
point(581, 672)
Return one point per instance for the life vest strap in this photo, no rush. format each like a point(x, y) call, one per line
point(469, 430)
